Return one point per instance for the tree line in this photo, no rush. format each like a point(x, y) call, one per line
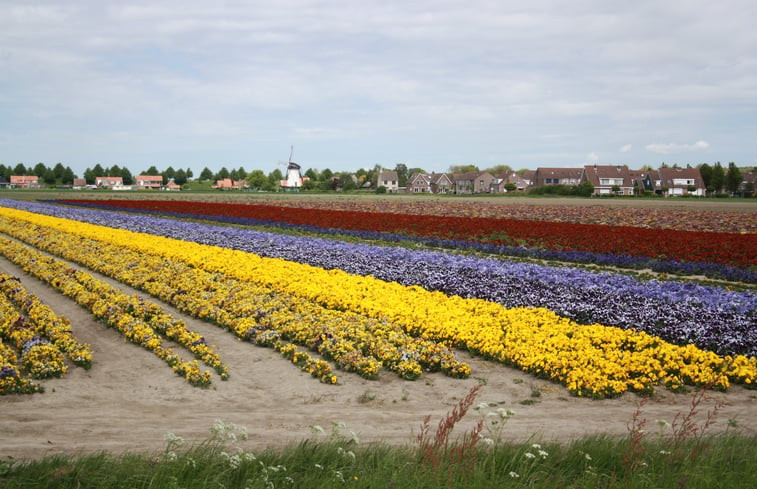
point(715, 177)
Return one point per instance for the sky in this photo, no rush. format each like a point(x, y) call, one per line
point(354, 84)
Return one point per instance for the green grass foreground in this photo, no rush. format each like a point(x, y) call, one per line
point(722, 461)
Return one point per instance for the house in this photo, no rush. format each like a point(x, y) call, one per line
point(475, 182)
point(171, 185)
point(150, 181)
point(746, 188)
point(609, 179)
point(680, 181)
point(441, 183)
point(434, 183)
point(112, 183)
point(521, 181)
point(79, 183)
point(24, 181)
point(229, 184)
point(389, 180)
point(557, 176)
point(418, 183)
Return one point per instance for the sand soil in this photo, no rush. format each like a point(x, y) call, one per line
point(129, 400)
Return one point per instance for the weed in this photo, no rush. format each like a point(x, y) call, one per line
point(436, 450)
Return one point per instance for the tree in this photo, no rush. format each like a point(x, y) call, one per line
point(152, 171)
point(180, 177)
point(346, 181)
point(58, 170)
point(312, 174)
point(222, 173)
point(89, 176)
point(19, 169)
point(98, 171)
point(326, 175)
point(127, 176)
point(113, 171)
point(238, 174)
point(257, 180)
point(168, 173)
point(206, 174)
point(67, 178)
point(510, 187)
point(706, 171)
point(275, 178)
point(413, 171)
point(48, 177)
point(717, 179)
point(39, 170)
point(463, 168)
point(733, 178)
point(189, 173)
point(402, 174)
point(499, 169)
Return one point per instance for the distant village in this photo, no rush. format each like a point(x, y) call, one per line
point(586, 180)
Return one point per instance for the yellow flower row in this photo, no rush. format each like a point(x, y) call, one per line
point(57, 329)
point(11, 381)
point(39, 358)
point(590, 360)
point(108, 304)
point(112, 307)
point(254, 313)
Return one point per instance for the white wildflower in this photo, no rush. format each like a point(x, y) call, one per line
point(530, 455)
point(514, 475)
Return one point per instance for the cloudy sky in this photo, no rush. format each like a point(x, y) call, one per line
point(356, 83)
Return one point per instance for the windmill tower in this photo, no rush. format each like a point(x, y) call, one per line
point(293, 180)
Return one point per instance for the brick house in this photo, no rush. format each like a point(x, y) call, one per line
point(557, 176)
point(476, 182)
point(605, 178)
point(674, 181)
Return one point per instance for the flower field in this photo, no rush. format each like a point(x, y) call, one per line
point(716, 254)
point(330, 305)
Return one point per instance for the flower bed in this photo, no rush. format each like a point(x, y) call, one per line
point(671, 310)
point(697, 246)
point(590, 360)
point(711, 270)
point(140, 322)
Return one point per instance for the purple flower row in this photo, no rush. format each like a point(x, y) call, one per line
point(710, 270)
point(681, 312)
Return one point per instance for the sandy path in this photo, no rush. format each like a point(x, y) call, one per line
point(130, 399)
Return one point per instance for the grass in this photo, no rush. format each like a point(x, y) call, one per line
point(678, 455)
point(728, 462)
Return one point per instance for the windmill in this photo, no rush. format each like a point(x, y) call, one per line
point(293, 177)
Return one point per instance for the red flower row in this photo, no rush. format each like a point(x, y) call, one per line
point(699, 246)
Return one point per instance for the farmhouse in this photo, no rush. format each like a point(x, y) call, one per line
point(24, 181)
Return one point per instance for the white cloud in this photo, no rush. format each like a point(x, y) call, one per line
point(672, 148)
point(592, 158)
point(626, 148)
